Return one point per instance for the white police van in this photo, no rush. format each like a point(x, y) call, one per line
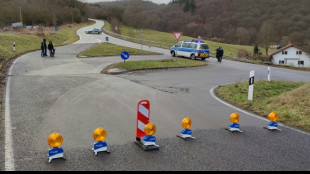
point(191, 49)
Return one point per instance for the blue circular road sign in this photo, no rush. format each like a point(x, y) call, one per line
point(125, 55)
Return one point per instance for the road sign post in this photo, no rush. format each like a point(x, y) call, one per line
point(141, 38)
point(251, 85)
point(56, 30)
point(269, 74)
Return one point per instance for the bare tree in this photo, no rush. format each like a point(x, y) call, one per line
point(243, 35)
point(133, 15)
point(266, 35)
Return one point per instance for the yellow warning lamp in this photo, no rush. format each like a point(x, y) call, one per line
point(234, 118)
point(100, 135)
point(150, 129)
point(55, 140)
point(187, 123)
point(273, 117)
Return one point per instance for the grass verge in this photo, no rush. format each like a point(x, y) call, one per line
point(291, 100)
point(108, 49)
point(155, 64)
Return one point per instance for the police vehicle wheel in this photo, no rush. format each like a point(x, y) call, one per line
point(203, 58)
point(173, 54)
point(193, 57)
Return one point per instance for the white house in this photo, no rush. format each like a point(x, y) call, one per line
point(291, 55)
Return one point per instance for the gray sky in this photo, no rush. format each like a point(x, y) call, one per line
point(155, 1)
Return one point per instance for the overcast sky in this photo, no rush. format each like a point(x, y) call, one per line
point(155, 1)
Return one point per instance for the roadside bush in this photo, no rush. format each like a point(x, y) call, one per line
point(242, 53)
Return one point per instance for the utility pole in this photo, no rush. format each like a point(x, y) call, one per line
point(21, 16)
point(71, 17)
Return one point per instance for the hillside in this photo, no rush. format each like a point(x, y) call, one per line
point(230, 21)
point(168, 38)
point(41, 12)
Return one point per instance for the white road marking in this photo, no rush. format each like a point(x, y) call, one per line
point(8, 147)
point(248, 113)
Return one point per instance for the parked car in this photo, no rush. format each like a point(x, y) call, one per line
point(191, 49)
point(94, 31)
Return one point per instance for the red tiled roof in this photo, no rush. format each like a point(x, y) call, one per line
point(286, 47)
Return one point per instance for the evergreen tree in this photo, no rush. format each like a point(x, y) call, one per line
point(189, 5)
point(256, 50)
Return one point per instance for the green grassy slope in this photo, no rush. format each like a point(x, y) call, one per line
point(168, 38)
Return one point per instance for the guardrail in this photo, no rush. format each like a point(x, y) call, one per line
point(143, 42)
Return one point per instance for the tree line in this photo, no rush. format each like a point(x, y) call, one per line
point(42, 12)
point(244, 22)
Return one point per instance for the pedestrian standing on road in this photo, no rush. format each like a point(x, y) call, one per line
point(219, 54)
point(51, 48)
point(43, 48)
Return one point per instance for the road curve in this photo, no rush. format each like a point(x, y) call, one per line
point(69, 95)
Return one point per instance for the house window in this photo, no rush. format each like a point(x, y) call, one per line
point(299, 52)
point(281, 62)
point(284, 52)
point(301, 62)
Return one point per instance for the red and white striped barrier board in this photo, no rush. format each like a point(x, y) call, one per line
point(143, 117)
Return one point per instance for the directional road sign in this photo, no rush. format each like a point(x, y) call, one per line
point(125, 55)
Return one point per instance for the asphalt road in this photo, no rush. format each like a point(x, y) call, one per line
point(68, 95)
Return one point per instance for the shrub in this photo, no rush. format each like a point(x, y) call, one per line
point(242, 53)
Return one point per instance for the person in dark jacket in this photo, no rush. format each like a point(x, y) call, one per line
point(43, 48)
point(219, 54)
point(51, 48)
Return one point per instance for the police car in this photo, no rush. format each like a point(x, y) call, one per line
point(191, 49)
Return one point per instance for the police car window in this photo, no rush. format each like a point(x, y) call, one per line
point(186, 45)
point(204, 46)
point(194, 46)
point(179, 44)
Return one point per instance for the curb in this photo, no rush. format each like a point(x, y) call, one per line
point(122, 71)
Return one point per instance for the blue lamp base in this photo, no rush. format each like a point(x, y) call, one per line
point(273, 126)
point(55, 153)
point(148, 143)
point(234, 127)
point(100, 147)
point(186, 134)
